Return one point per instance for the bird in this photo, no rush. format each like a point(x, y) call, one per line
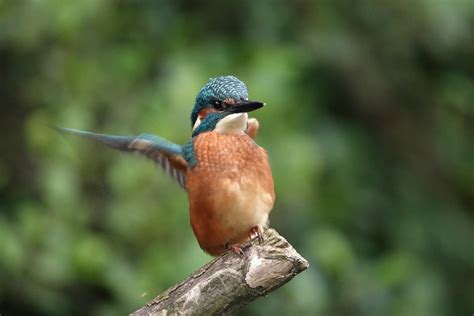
point(225, 173)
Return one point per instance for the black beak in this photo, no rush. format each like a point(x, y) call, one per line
point(244, 106)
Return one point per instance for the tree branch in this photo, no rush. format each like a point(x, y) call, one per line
point(229, 282)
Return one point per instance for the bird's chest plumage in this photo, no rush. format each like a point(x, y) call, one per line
point(230, 189)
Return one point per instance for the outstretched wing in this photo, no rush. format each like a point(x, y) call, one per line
point(168, 155)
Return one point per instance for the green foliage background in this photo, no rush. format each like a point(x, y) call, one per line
point(369, 126)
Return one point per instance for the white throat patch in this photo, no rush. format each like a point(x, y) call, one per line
point(233, 123)
point(197, 123)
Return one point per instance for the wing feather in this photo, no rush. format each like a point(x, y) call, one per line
point(168, 155)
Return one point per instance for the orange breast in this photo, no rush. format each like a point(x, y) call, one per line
point(230, 190)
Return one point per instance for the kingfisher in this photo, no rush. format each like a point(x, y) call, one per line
point(225, 173)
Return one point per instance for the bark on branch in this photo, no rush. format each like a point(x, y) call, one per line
point(230, 281)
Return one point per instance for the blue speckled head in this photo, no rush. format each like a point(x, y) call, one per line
point(219, 88)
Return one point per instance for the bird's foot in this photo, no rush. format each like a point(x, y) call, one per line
point(257, 232)
point(235, 248)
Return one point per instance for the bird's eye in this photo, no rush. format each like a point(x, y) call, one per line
point(217, 104)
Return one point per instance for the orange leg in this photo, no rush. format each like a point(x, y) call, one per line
point(257, 232)
point(235, 248)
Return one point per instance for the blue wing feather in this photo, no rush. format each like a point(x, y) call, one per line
point(167, 154)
